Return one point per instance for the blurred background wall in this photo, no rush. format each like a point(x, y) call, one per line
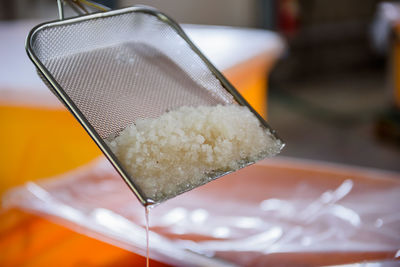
point(330, 36)
point(221, 12)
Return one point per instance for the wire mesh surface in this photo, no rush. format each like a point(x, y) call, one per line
point(119, 68)
point(113, 68)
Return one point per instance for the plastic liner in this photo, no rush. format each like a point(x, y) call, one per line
point(276, 212)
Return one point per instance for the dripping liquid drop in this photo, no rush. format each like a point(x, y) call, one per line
point(147, 211)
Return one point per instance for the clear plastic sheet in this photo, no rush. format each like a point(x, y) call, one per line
point(276, 212)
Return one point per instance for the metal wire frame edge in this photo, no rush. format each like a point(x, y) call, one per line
point(81, 118)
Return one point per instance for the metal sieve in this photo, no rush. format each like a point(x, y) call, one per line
point(113, 67)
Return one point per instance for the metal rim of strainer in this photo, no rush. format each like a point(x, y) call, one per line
point(60, 93)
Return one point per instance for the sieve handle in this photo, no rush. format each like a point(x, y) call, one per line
point(81, 7)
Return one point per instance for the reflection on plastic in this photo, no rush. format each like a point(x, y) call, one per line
point(240, 220)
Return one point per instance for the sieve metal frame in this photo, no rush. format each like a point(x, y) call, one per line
point(53, 85)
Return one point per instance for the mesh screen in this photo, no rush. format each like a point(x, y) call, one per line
point(119, 68)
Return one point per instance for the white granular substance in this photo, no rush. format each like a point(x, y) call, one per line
point(182, 149)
